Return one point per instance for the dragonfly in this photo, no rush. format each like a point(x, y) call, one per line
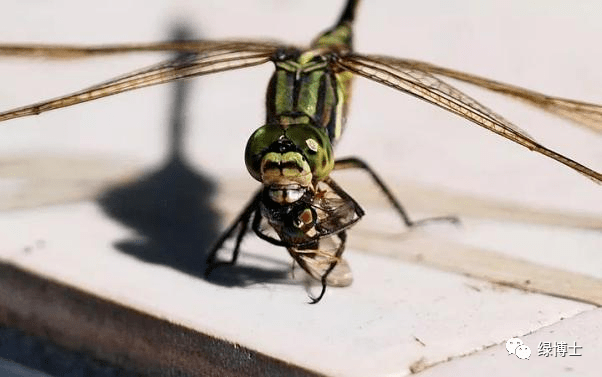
point(299, 206)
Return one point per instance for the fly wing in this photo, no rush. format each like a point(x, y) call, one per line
point(335, 213)
point(317, 262)
point(216, 57)
point(411, 79)
point(267, 231)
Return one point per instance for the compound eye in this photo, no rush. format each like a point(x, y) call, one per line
point(315, 146)
point(257, 145)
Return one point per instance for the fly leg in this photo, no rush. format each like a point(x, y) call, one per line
point(356, 163)
point(343, 237)
point(241, 223)
point(256, 226)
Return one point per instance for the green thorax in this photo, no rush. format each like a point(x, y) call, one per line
point(306, 105)
point(306, 88)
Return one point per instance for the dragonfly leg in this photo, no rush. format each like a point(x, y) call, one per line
point(343, 237)
point(241, 223)
point(356, 163)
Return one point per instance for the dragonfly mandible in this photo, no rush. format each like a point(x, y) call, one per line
point(299, 206)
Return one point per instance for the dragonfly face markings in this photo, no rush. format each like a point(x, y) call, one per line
point(299, 206)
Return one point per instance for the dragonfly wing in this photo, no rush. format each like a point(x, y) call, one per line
point(78, 52)
point(582, 113)
point(405, 77)
point(218, 59)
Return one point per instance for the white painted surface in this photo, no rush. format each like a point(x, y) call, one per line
point(584, 329)
point(544, 45)
point(366, 329)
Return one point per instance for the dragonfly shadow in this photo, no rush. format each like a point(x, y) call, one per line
point(171, 209)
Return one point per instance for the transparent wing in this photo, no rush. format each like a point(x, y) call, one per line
point(216, 57)
point(79, 52)
point(316, 262)
point(407, 77)
point(335, 213)
point(582, 113)
point(318, 259)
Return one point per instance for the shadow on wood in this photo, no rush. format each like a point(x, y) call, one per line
point(172, 208)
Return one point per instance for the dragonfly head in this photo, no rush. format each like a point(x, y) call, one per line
point(289, 160)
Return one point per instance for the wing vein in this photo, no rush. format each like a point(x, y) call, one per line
point(157, 74)
point(423, 85)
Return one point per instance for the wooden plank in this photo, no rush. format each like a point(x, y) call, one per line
point(487, 265)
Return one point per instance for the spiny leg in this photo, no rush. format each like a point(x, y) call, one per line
point(243, 221)
point(343, 237)
point(356, 163)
